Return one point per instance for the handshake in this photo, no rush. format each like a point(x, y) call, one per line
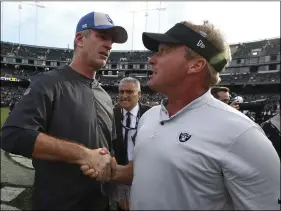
point(99, 165)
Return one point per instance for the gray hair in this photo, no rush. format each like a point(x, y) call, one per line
point(131, 80)
point(85, 33)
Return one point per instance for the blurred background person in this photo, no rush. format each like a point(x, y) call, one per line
point(271, 128)
point(12, 105)
point(127, 114)
point(222, 93)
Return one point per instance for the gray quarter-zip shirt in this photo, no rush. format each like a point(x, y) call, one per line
point(68, 106)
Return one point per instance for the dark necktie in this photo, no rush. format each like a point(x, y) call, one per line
point(128, 124)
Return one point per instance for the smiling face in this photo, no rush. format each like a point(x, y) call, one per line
point(95, 48)
point(129, 95)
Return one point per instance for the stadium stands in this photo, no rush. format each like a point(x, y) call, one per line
point(255, 67)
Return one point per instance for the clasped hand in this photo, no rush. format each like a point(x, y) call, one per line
point(99, 165)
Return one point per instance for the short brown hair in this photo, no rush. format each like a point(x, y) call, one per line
point(215, 90)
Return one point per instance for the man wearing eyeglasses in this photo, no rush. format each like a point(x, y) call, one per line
point(127, 114)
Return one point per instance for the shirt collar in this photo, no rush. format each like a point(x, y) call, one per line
point(134, 111)
point(76, 75)
point(198, 102)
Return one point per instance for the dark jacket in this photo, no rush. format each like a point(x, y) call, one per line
point(272, 133)
point(64, 104)
point(119, 145)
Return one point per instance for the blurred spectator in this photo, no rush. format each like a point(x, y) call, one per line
point(12, 105)
point(243, 50)
point(272, 130)
point(222, 93)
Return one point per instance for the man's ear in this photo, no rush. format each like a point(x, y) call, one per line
point(196, 65)
point(79, 39)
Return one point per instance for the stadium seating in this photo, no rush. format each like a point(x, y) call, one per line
point(254, 63)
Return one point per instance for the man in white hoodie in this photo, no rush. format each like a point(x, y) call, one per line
point(272, 130)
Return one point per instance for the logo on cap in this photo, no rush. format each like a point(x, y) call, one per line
point(183, 137)
point(84, 25)
point(204, 34)
point(109, 19)
point(201, 44)
point(27, 91)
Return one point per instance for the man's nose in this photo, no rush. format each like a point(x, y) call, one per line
point(108, 44)
point(123, 94)
point(152, 60)
point(126, 95)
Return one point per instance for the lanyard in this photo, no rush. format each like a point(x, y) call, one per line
point(131, 128)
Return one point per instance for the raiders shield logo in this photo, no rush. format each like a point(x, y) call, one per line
point(183, 137)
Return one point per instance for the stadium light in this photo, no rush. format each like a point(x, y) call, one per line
point(37, 5)
point(2, 20)
point(159, 18)
point(146, 14)
point(19, 21)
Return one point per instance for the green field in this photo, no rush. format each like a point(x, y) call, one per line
point(4, 115)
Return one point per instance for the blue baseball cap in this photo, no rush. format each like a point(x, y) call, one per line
point(100, 21)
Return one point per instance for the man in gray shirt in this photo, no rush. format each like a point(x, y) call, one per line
point(194, 152)
point(64, 118)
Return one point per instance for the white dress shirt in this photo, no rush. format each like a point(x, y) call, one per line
point(120, 191)
point(130, 144)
